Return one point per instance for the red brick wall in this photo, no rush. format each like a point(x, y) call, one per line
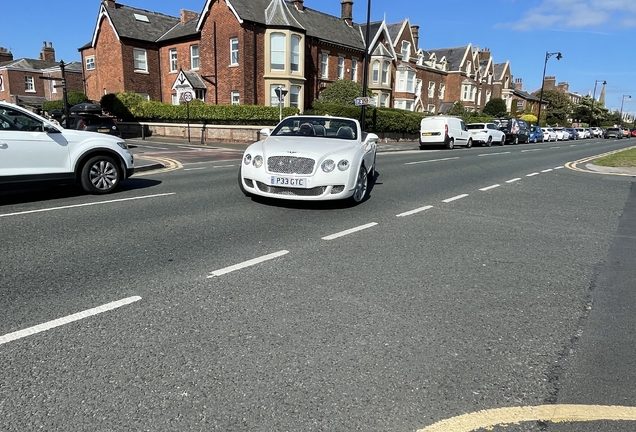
point(142, 82)
point(183, 62)
point(108, 74)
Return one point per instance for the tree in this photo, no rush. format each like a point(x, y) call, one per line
point(559, 108)
point(582, 112)
point(496, 107)
point(73, 97)
point(458, 110)
point(529, 118)
point(342, 92)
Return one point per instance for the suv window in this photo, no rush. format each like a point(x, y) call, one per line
point(13, 120)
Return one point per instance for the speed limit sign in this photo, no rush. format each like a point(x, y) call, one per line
point(187, 96)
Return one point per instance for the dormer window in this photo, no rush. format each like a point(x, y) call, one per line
point(468, 67)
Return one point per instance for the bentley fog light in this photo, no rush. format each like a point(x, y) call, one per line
point(343, 165)
point(328, 166)
point(258, 161)
point(247, 159)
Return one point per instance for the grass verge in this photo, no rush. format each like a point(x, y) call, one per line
point(625, 158)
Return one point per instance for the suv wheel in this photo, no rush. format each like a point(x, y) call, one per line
point(100, 175)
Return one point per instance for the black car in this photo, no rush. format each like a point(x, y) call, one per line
point(613, 133)
point(93, 123)
point(516, 130)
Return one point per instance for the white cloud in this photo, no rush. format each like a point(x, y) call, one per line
point(577, 14)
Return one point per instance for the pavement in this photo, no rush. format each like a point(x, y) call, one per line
point(146, 164)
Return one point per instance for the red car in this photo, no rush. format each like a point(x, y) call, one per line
point(634, 133)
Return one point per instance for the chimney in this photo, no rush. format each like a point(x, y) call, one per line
point(347, 11)
point(415, 30)
point(484, 54)
point(518, 84)
point(564, 87)
point(299, 4)
point(187, 15)
point(5, 54)
point(48, 53)
point(549, 83)
point(110, 3)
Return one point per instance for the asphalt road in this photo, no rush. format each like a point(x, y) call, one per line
point(478, 279)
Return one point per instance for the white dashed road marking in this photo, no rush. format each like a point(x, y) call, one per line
point(494, 154)
point(547, 170)
point(559, 167)
point(66, 320)
point(489, 187)
point(513, 180)
point(349, 231)
point(417, 210)
point(432, 160)
point(247, 263)
point(533, 150)
point(455, 198)
point(194, 169)
point(532, 174)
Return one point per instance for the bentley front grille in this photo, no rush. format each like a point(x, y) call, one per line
point(278, 190)
point(290, 165)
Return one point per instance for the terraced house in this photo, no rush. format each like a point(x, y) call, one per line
point(241, 51)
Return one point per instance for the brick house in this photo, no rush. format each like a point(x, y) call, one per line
point(20, 81)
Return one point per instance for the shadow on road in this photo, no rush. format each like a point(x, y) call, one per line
point(38, 193)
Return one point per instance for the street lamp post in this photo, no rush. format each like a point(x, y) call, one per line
point(623, 100)
point(594, 97)
point(545, 64)
point(365, 73)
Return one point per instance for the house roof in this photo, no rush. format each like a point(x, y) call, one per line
point(139, 24)
point(394, 30)
point(500, 68)
point(525, 95)
point(36, 64)
point(454, 56)
point(181, 30)
point(278, 14)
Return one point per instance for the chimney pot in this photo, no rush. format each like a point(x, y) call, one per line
point(347, 11)
point(299, 4)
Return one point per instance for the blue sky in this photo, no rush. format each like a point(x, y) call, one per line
point(594, 36)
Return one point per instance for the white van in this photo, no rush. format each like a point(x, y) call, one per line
point(446, 131)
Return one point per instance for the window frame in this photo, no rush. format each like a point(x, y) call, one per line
point(341, 61)
point(324, 65)
point(194, 58)
point(406, 50)
point(29, 84)
point(136, 62)
point(235, 97)
point(294, 53)
point(90, 60)
point(294, 93)
point(174, 60)
point(375, 72)
point(280, 54)
point(354, 69)
point(386, 68)
point(234, 51)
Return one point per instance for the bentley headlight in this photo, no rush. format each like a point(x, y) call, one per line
point(328, 166)
point(258, 161)
point(122, 144)
point(343, 165)
point(247, 159)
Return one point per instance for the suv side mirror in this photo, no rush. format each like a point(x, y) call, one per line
point(51, 129)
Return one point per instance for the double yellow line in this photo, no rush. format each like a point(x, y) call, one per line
point(573, 165)
point(168, 165)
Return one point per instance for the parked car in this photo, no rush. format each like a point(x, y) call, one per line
point(33, 149)
point(613, 133)
point(597, 132)
point(626, 133)
point(561, 134)
point(94, 123)
point(549, 134)
point(574, 135)
point(516, 130)
point(444, 130)
point(486, 134)
point(633, 133)
point(310, 158)
point(536, 134)
point(584, 133)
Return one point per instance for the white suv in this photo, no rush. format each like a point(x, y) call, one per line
point(32, 149)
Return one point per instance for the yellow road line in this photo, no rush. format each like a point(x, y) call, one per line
point(169, 165)
point(573, 165)
point(548, 413)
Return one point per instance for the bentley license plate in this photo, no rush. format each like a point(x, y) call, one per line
point(288, 182)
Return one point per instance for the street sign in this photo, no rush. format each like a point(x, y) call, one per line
point(187, 96)
point(360, 101)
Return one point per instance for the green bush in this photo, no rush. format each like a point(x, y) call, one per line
point(73, 97)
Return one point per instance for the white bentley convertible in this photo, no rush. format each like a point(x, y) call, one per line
point(310, 158)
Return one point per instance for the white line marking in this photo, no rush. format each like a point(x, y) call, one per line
point(247, 263)
point(66, 320)
point(147, 146)
point(489, 187)
point(559, 167)
point(417, 210)
point(455, 198)
point(532, 175)
point(574, 145)
point(432, 160)
point(349, 231)
point(192, 148)
point(554, 147)
point(547, 170)
point(86, 204)
point(532, 150)
point(493, 154)
point(223, 166)
point(194, 169)
point(513, 180)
